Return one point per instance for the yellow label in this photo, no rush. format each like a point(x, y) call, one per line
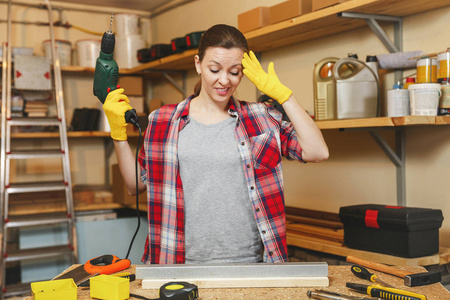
point(174, 287)
point(423, 74)
point(444, 69)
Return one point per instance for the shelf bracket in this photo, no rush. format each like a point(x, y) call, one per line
point(182, 88)
point(397, 157)
point(371, 20)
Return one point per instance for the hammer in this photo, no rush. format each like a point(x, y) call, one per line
point(411, 279)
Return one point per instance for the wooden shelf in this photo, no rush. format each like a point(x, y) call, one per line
point(384, 122)
point(317, 24)
point(325, 22)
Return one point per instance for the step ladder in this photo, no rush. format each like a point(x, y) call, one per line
point(10, 151)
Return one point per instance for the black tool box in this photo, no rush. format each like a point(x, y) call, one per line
point(399, 231)
point(178, 44)
point(155, 52)
point(193, 39)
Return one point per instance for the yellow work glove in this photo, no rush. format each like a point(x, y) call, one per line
point(115, 106)
point(267, 83)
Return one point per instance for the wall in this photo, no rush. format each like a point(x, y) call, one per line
point(357, 171)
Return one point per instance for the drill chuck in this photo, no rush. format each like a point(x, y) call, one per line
point(108, 43)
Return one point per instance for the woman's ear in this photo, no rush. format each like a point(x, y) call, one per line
point(197, 64)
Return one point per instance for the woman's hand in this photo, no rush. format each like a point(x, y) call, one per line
point(115, 106)
point(268, 83)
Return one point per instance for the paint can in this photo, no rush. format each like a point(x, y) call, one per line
point(427, 70)
point(64, 49)
point(398, 103)
point(127, 24)
point(87, 52)
point(424, 99)
point(444, 101)
point(443, 72)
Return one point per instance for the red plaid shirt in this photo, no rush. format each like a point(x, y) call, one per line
point(263, 139)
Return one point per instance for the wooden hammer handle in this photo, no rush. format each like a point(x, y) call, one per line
point(379, 267)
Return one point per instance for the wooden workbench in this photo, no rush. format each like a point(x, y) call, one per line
point(338, 276)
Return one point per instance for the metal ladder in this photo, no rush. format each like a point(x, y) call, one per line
point(10, 222)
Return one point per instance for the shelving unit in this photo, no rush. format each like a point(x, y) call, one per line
point(318, 24)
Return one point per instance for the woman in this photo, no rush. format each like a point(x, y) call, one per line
point(212, 164)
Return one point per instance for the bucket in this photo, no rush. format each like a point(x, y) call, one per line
point(424, 99)
point(126, 24)
point(64, 49)
point(125, 53)
point(427, 70)
point(443, 72)
point(398, 103)
point(87, 52)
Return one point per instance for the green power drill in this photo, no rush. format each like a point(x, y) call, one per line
point(106, 74)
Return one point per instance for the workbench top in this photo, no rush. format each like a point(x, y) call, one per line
point(338, 276)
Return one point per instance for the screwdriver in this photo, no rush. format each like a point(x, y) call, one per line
point(379, 291)
point(363, 273)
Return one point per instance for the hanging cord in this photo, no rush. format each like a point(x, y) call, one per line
point(137, 192)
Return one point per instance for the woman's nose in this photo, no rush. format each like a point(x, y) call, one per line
point(223, 79)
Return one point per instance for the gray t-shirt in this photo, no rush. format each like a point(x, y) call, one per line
point(219, 222)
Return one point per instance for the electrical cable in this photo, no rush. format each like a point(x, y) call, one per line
point(136, 124)
point(86, 30)
point(142, 297)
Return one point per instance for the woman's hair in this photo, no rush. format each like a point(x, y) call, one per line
point(220, 35)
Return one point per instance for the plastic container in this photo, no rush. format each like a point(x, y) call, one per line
point(324, 89)
point(109, 287)
point(443, 67)
point(356, 89)
point(87, 52)
point(126, 51)
point(409, 81)
point(427, 70)
point(444, 101)
point(400, 231)
point(126, 24)
point(54, 290)
point(64, 50)
point(398, 102)
point(424, 99)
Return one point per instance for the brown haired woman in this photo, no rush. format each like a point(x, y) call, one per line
point(212, 163)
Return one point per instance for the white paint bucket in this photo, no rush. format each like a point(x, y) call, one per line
point(64, 49)
point(87, 52)
point(424, 99)
point(126, 24)
point(125, 53)
point(398, 103)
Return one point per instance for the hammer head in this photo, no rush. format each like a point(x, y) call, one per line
point(425, 278)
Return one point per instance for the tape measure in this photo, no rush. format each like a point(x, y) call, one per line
point(178, 291)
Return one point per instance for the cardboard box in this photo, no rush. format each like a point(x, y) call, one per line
point(120, 194)
point(253, 19)
point(133, 85)
point(288, 10)
point(137, 102)
point(319, 4)
point(400, 231)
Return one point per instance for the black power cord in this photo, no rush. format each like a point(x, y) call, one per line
point(136, 124)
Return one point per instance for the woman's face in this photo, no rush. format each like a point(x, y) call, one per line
point(221, 72)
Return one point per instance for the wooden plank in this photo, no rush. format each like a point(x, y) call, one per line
point(335, 235)
point(414, 120)
point(442, 120)
point(356, 123)
point(214, 283)
point(319, 245)
point(317, 222)
point(310, 213)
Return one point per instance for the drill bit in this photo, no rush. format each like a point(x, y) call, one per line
point(110, 23)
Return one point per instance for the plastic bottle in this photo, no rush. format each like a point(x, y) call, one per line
point(409, 81)
point(372, 62)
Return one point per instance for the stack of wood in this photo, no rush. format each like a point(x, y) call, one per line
point(314, 225)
